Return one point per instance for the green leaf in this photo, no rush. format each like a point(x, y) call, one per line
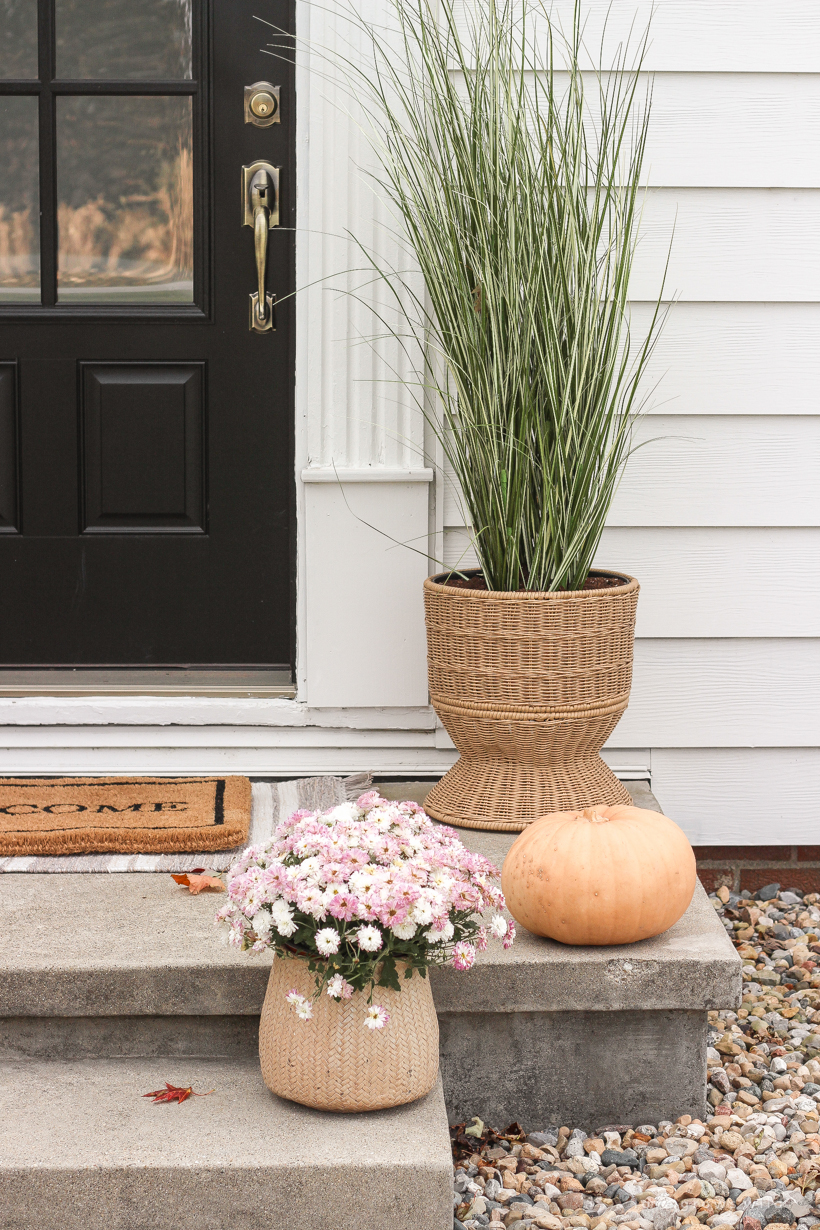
point(388, 976)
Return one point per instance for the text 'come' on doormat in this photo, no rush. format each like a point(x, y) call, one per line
point(145, 815)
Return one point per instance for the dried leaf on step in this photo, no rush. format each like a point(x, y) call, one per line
point(175, 1093)
point(199, 883)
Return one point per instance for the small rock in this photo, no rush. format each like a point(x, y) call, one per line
point(540, 1139)
point(680, 1146)
point(575, 1148)
point(626, 1157)
point(712, 1171)
point(737, 1179)
point(570, 1200)
point(768, 892)
point(720, 1080)
point(688, 1191)
point(663, 1218)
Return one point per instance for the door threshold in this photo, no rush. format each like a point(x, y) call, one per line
point(257, 684)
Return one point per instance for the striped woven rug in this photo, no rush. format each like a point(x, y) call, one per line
point(270, 803)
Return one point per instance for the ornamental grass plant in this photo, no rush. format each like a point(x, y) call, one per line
point(515, 178)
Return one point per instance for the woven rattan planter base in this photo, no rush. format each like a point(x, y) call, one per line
point(529, 686)
point(334, 1062)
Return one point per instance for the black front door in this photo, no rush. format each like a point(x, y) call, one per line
point(146, 473)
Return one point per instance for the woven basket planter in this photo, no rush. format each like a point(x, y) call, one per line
point(529, 686)
point(334, 1062)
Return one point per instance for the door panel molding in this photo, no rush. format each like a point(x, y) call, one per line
point(143, 428)
point(9, 460)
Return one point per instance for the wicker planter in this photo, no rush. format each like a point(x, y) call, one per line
point(334, 1062)
point(529, 686)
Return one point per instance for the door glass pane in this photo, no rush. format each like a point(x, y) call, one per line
point(125, 200)
point(135, 40)
point(18, 39)
point(19, 201)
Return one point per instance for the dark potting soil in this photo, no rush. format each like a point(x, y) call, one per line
point(475, 580)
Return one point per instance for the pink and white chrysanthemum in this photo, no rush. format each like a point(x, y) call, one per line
point(507, 942)
point(339, 988)
point(376, 1017)
point(463, 955)
point(369, 939)
point(345, 907)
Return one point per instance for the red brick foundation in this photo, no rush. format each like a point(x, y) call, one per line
point(750, 867)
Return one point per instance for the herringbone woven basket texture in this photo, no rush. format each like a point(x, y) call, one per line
point(334, 1062)
point(529, 687)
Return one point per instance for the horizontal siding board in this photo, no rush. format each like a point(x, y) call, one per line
point(735, 358)
point(733, 130)
point(740, 796)
point(729, 244)
point(720, 582)
point(738, 36)
point(723, 693)
point(711, 583)
point(722, 470)
point(704, 470)
point(724, 130)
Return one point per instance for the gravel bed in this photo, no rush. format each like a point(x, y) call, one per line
point(753, 1162)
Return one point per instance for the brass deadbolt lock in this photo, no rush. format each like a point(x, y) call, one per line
point(262, 104)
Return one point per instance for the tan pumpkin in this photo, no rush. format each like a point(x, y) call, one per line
point(605, 875)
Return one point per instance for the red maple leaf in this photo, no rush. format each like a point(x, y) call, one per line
point(175, 1093)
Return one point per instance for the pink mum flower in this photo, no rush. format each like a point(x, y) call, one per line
point(507, 942)
point(463, 955)
point(344, 907)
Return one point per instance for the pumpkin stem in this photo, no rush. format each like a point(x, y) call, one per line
point(594, 816)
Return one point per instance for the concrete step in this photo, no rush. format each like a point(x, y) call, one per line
point(80, 1148)
point(131, 965)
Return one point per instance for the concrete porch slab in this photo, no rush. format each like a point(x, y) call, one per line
point(80, 1147)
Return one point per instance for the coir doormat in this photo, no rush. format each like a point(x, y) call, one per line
point(146, 815)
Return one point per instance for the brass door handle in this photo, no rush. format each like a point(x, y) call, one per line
point(260, 209)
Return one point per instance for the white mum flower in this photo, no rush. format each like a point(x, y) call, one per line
point(422, 913)
point(405, 930)
point(282, 918)
point(376, 1017)
point(345, 811)
point(443, 936)
point(262, 923)
point(369, 938)
point(327, 941)
point(304, 1011)
point(498, 926)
